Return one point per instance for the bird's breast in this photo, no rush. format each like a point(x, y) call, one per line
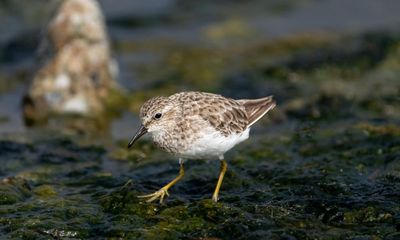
point(178, 136)
point(213, 144)
point(195, 138)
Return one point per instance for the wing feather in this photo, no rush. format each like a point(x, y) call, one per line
point(257, 108)
point(224, 114)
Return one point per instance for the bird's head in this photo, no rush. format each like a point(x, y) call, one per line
point(157, 115)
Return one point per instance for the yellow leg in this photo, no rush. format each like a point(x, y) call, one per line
point(164, 190)
point(224, 166)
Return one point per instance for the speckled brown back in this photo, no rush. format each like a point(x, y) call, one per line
point(224, 114)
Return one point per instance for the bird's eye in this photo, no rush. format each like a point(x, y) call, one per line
point(157, 116)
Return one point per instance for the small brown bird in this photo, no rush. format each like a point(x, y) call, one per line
point(198, 125)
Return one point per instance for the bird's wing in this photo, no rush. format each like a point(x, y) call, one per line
point(224, 114)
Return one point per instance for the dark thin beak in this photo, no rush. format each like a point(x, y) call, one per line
point(142, 130)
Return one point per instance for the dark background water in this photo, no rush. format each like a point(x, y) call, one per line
point(323, 165)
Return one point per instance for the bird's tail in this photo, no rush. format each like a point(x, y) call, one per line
point(257, 108)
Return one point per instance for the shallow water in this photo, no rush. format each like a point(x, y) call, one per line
point(323, 165)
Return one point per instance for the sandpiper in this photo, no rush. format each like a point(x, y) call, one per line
point(198, 125)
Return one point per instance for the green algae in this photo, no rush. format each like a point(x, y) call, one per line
point(13, 190)
point(321, 192)
point(45, 191)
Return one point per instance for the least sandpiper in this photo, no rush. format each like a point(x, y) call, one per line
point(197, 125)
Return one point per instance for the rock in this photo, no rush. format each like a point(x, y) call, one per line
point(78, 73)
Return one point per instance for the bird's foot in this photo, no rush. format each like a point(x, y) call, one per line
point(158, 194)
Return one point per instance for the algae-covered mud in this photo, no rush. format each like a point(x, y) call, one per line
point(325, 164)
point(321, 182)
